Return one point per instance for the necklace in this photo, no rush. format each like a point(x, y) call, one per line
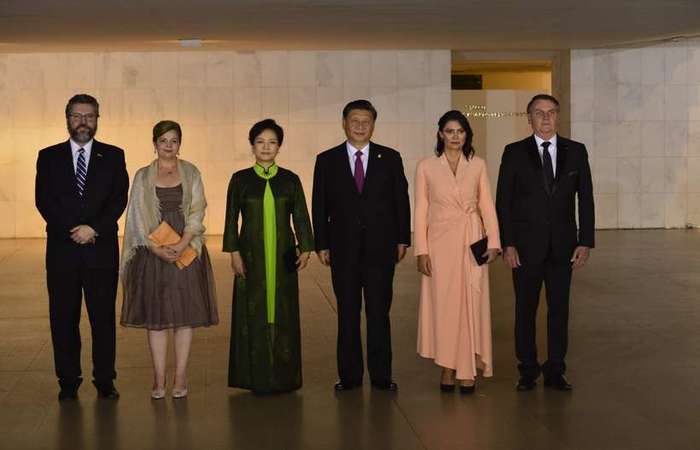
point(167, 170)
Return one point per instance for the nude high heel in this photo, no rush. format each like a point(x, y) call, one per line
point(180, 393)
point(158, 394)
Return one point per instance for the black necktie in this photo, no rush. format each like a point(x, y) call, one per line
point(547, 169)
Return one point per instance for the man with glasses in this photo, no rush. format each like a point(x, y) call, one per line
point(361, 218)
point(81, 191)
point(540, 179)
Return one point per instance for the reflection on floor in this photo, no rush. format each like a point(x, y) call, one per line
point(634, 360)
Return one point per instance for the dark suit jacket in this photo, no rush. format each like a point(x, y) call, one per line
point(541, 222)
point(103, 202)
point(382, 211)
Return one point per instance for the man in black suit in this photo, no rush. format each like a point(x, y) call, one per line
point(539, 180)
point(81, 191)
point(361, 217)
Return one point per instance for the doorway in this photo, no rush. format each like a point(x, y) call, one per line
point(493, 95)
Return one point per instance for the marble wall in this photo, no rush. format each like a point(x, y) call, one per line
point(216, 96)
point(638, 112)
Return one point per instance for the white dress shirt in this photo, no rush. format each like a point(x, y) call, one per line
point(74, 146)
point(351, 156)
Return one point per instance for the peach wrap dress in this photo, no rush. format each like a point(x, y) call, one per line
point(452, 211)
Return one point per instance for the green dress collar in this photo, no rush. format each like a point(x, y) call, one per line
point(265, 173)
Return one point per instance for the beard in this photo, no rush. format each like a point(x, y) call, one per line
point(82, 134)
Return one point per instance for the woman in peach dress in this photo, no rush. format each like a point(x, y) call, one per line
point(454, 209)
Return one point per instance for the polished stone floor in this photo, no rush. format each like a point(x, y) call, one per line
point(634, 360)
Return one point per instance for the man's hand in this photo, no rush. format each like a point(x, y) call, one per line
point(237, 265)
point(324, 256)
point(83, 234)
point(511, 257)
point(424, 266)
point(580, 257)
point(401, 252)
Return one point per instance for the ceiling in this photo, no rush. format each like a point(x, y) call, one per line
point(60, 25)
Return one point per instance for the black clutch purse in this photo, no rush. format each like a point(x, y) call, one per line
point(478, 249)
point(290, 260)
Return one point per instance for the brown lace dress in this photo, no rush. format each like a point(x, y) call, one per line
point(158, 295)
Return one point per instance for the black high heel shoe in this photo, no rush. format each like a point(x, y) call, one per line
point(447, 387)
point(467, 389)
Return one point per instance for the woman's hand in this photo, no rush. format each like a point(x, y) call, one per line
point(424, 265)
point(178, 248)
point(303, 260)
point(491, 254)
point(237, 265)
point(164, 253)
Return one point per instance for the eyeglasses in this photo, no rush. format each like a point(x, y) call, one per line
point(77, 117)
point(542, 114)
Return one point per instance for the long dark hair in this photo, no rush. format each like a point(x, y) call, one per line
point(456, 116)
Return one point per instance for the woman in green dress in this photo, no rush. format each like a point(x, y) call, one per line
point(265, 353)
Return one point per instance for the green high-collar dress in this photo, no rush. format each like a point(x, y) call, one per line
point(265, 352)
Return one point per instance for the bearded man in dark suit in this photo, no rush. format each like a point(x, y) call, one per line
point(81, 191)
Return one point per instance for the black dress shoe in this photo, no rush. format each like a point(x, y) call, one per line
point(68, 394)
point(559, 382)
point(106, 390)
point(69, 388)
point(526, 384)
point(346, 386)
point(389, 386)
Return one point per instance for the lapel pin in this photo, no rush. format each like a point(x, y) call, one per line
point(379, 155)
point(99, 155)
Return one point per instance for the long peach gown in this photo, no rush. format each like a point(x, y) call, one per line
point(452, 212)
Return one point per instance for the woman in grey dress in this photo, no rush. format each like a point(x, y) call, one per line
point(159, 295)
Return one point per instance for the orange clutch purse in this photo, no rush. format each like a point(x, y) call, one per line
point(165, 235)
